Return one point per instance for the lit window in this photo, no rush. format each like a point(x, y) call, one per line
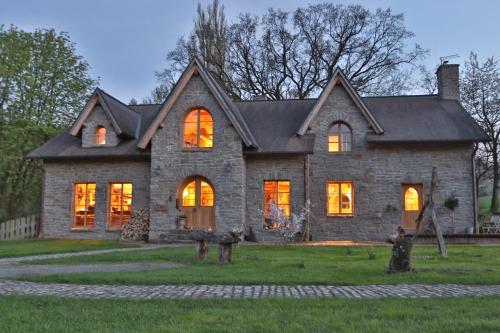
point(84, 205)
point(340, 198)
point(411, 199)
point(204, 191)
point(278, 192)
point(189, 194)
point(339, 138)
point(100, 135)
point(120, 204)
point(198, 129)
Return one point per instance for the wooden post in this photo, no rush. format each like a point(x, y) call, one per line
point(201, 249)
point(430, 210)
point(225, 253)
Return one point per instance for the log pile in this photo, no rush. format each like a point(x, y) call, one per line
point(137, 229)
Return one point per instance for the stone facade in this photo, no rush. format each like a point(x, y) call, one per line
point(59, 180)
point(98, 118)
point(376, 170)
point(377, 173)
point(223, 165)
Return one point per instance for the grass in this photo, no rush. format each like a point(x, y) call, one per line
point(28, 247)
point(259, 264)
point(50, 314)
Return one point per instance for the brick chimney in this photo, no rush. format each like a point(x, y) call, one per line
point(448, 83)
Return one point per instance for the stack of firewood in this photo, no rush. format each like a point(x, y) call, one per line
point(137, 229)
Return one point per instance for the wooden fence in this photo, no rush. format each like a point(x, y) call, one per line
point(20, 228)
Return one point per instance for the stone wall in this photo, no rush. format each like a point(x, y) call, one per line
point(261, 168)
point(59, 180)
point(98, 118)
point(222, 165)
point(378, 173)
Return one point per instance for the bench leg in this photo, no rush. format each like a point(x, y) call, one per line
point(201, 249)
point(225, 253)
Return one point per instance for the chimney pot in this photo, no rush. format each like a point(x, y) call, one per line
point(448, 81)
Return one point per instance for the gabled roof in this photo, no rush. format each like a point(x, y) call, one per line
point(123, 119)
point(196, 67)
point(338, 77)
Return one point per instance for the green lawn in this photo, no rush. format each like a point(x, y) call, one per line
point(28, 247)
point(260, 264)
point(50, 314)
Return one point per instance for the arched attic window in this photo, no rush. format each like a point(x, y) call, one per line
point(339, 137)
point(198, 129)
point(100, 135)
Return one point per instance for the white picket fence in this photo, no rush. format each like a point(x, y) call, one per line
point(20, 228)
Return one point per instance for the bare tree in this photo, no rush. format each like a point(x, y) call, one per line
point(480, 93)
point(293, 54)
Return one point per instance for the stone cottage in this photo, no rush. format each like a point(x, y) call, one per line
point(203, 161)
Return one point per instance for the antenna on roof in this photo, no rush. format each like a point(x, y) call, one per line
point(444, 60)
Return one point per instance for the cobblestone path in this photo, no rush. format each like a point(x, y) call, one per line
point(8, 287)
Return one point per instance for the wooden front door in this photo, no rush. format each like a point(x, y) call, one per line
point(197, 204)
point(412, 200)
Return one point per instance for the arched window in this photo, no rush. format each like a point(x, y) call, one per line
point(100, 135)
point(198, 129)
point(339, 137)
point(411, 199)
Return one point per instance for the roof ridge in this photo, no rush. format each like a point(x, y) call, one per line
point(400, 96)
point(276, 100)
point(117, 100)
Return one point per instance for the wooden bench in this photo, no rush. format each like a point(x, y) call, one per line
point(225, 242)
point(492, 227)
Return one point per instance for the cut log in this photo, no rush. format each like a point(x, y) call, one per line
point(201, 249)
point(225, 253)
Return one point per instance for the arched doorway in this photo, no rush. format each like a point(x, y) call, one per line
point(197, 203)
point(412, 197)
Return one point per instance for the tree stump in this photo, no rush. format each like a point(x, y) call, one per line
point(201, 249)
point(225, 253)
point(401, 254)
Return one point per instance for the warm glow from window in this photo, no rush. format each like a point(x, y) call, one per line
point(191, 192)
point(120, 204)
point(198, 129)
point(340, 198)
point(100, 136)
point(277, 191)
point(189, 195)
point(411, 199)
point(207, 194)
point(339, 138)
point(84, 205)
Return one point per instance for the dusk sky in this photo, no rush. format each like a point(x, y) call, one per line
point(126, 41)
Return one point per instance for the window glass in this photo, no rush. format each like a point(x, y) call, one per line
point(120, 204)
point(207, 194)
point(198, 129)
point(411, 199)
point(339, 138)
point(340, 198)
point(189, 195)
point(278, 192)
point(100, 135)
point(84, 205)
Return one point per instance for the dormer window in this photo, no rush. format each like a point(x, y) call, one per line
point(198, 129)
point(339, 138)
point(100, 135)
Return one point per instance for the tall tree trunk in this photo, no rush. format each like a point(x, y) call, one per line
point(494, 199)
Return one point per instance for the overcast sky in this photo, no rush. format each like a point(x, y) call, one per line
point(125, 41)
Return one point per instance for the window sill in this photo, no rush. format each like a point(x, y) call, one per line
point(197, 149)
point(82, 229)
point(343, 215)
point(113, 229)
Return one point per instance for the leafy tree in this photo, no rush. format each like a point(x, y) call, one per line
point(43, 86)
point(480, 95)
point(293, 54)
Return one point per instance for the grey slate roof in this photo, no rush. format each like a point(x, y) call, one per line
point(274, 125)
point(427, 118)
point(123, 115)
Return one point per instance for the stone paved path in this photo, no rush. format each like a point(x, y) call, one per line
point(8, 287)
